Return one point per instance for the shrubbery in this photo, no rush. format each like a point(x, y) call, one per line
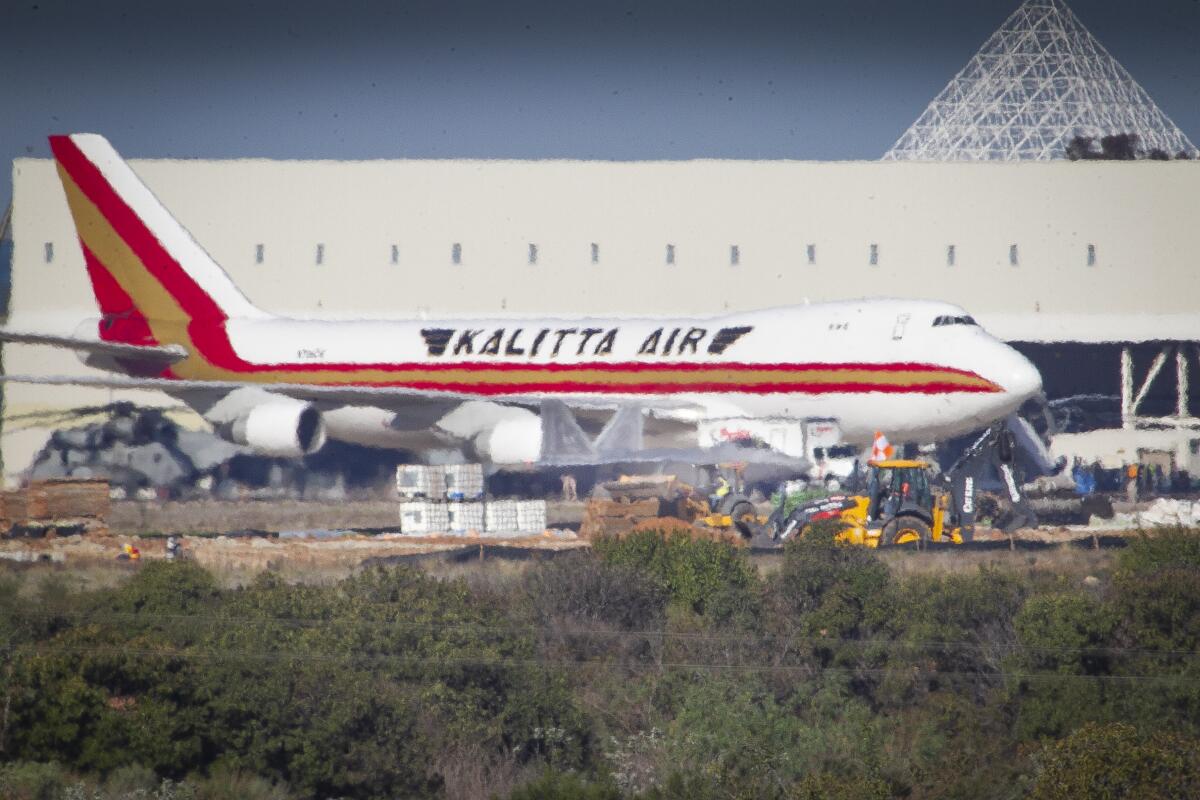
point(651, 667)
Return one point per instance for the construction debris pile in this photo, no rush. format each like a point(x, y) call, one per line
point(661, 502)
point(1164, 512)
point(449, 501)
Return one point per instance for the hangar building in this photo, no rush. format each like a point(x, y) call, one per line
point(1090, 266)
point(1044, 253)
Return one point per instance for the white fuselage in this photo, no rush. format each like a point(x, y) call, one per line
point(872, 365)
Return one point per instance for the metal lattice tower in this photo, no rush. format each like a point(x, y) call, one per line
point(1038, 82)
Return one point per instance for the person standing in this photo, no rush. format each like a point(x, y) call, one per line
point(1131, 483)
point(722, 490)
point(570, 491)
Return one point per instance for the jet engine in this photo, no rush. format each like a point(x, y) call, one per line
point(516, 440)
point(282, 427)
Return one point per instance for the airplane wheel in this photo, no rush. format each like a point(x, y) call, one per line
point(907, 531)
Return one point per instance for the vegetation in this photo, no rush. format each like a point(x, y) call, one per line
point(652, 667)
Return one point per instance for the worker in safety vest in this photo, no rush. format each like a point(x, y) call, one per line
point(1131, 483)
point(723, 489)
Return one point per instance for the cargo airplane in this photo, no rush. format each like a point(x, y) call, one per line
point(510, 390)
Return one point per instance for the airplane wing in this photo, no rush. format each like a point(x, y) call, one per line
point(159, 354)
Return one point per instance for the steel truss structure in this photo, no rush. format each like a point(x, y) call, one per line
point(1131, 401)
point(1038, 82)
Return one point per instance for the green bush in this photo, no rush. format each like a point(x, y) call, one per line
point(832, 591)
point(708, 577)
point(1069, 633)
point(166, 588)
point(556, 785)
point(830, 678)
point(126, 781)
point(1114, 761)
point(27, 780)
point(1164, 548)
point(584, 587)
point(224, 784)
point(950, 631)
point(1065, 641)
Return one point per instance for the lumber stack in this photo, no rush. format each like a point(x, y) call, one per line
point(74, 498)
point(616, 517)
point(56, 499)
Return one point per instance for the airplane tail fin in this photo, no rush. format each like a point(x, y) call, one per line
point(148, 274)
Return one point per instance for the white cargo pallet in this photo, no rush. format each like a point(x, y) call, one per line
point(464, 481)
point(501, 516)
point(424, 516)
point(531, 516)
point(465, 517)
point(420, 480)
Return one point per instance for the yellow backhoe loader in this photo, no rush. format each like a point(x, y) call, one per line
point(904, 504)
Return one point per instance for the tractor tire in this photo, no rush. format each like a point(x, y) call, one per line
point(738, 506)
point(906, 528)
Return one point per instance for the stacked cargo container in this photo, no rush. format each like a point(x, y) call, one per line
point(448, 500)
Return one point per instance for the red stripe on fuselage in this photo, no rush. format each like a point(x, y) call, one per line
point(218, 344)
point(571, 387)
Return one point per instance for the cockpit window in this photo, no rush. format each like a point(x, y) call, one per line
point(947, 319)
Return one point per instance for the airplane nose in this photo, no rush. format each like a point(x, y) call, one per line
point(1021, 377)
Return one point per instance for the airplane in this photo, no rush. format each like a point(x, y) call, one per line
point(510, 390)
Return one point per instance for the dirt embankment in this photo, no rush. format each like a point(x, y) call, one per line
point(215, 516)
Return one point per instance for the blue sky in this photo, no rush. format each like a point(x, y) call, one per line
point(530, 79)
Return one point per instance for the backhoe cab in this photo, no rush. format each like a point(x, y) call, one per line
point(901, 507)
point(904, 505)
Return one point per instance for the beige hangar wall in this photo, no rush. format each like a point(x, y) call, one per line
point(1139, 217)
